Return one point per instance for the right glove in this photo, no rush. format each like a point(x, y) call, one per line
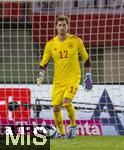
point(41, 77)
point(88, 85)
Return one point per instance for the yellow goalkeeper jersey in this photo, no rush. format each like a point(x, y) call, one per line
point(65, 58)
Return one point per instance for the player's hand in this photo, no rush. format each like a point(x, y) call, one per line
point(41, 77)
point(88, 85)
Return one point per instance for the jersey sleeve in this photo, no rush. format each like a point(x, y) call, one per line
point(82, 51)
point(46, 56)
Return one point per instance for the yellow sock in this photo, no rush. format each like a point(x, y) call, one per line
point(71, 113)
point(59, 122)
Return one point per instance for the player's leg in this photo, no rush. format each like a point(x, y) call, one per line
point(59, 121)
point(57, 94)
point(67, 103)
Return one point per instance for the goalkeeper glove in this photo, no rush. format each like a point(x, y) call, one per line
point(41, 77)
point(88, 85)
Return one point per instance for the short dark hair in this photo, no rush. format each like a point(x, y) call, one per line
point(62, 18)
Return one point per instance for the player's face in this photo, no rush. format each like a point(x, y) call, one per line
point(62, 28)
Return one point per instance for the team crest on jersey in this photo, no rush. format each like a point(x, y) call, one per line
point(55, 49)
point(70, 45)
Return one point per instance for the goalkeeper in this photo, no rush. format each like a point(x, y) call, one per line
point(64, 49)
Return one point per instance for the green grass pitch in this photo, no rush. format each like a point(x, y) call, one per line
point(89, 143)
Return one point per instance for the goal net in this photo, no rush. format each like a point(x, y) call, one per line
point(26, 26)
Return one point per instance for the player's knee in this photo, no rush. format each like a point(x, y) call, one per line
point(56, 108)
point(67, 102)
point(67, 105)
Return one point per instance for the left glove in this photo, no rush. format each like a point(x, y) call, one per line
point(88, 85)
point(41, 77)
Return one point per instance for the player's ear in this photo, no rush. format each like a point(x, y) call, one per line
point(67, 28)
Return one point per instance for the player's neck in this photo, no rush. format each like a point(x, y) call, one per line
point(62, 37)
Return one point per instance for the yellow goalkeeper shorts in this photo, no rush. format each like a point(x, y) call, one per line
point(61, 91)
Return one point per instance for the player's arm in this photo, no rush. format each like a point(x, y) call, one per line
point(85, 57)
point(43, 65)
